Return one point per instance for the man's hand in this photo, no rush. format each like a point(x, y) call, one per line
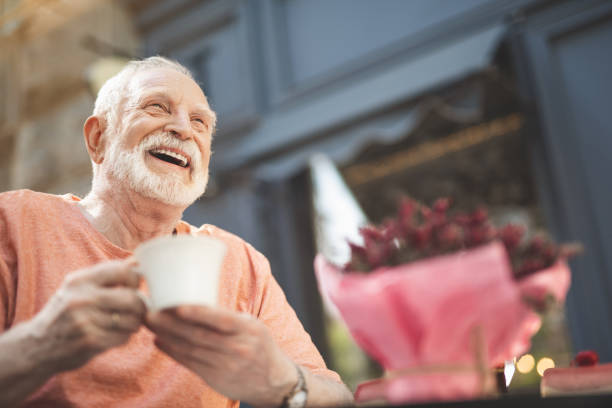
point(233, 352)
point(95, 309)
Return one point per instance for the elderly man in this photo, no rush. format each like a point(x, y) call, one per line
point(71, 321)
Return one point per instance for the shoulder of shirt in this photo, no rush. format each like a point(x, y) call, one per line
point(25, 200)
point(233, 241)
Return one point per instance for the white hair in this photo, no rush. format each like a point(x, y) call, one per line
point(109, 97)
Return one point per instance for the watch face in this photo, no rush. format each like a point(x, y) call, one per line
point(298, 400)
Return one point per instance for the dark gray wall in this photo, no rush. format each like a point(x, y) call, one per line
point(565, 57)
point(348, 30)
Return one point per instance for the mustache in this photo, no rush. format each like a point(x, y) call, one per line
point(164, 139)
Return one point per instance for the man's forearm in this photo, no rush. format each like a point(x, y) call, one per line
point(20, 371)
point(325, 392)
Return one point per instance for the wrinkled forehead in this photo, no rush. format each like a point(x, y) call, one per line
point(173, 84)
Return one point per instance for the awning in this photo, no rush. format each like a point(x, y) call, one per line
point(284, 141)
point(385, 129)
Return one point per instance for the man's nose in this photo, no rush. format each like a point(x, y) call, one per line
point(180, 126)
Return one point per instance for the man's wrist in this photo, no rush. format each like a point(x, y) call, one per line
point(36, 357)
point(22, 366)
point(298, 396)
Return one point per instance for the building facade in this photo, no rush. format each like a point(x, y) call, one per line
point(495, 101)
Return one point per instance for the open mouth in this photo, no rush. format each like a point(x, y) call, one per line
point(170, 157)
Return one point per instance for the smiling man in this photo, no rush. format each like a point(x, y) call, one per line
point(73, 330)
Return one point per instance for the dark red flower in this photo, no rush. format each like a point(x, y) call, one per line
point(371, 233)
point(357, 249)
point(537, 244)
point(441, 205)
point(426, 213)
point(420, 232)
point(479, 234)
point(549, 253)
point(463, 219)
point(420, 237)
point(586, 358)
point(528, 267)
point(391, 230)
point(406, 209)
point(450, 236)
point(479, 216)
point(511, 235)
point(378, 253)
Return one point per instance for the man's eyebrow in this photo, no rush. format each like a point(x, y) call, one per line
point(206, 112)
point(149, 95)
point(200, 109)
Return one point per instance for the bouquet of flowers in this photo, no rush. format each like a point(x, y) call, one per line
point(439, 299)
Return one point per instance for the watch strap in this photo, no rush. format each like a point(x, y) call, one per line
point(299, 388)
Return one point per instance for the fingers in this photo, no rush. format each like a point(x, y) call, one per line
point(243, 339)
point(112, 273)
point(217, 319)
point(127, 323)
point(205, 327)
point(100, 338)
point(116, 321)
point(119, 299)
point(166, 325)
point(196, 359)
point(121, 309)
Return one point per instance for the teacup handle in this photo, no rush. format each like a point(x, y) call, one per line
point(145, 299)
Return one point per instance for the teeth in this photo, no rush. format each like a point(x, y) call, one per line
point(177, 156)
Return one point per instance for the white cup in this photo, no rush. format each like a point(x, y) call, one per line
point(181, 270)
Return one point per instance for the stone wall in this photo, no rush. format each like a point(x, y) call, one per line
point(45, 53)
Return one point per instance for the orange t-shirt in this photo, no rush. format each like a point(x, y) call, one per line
point(44, 237)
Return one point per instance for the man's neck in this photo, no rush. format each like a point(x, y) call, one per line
point(126, 218)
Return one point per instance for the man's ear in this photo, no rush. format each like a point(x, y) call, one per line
point(95, 139)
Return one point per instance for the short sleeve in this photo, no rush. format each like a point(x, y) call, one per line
point(286, 328)
point(5, 296)
point(7, 287)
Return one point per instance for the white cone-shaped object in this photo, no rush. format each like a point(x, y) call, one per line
point(337, 214)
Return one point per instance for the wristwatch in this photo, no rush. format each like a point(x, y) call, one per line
point(298, 396)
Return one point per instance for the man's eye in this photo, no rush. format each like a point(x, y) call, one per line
point(199, 120)
point(158, 106)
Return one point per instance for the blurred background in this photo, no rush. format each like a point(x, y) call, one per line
point(330, 110)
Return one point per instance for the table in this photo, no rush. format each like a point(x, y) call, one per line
point(523, 401)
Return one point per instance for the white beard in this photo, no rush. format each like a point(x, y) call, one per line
point(128, 166)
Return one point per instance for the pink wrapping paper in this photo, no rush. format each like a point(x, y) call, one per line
point(554, 281)
point(424, 314)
